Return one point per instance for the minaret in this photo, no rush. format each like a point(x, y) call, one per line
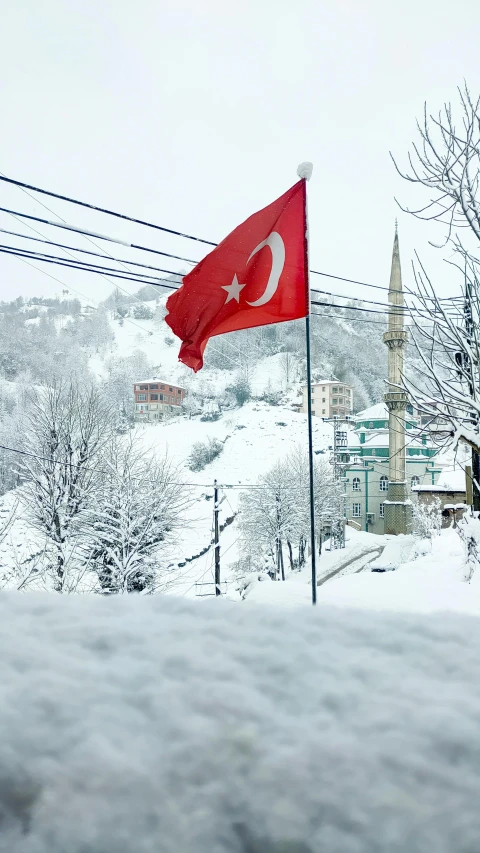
point(398, 509)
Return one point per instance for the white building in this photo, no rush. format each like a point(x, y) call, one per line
point(330, 398)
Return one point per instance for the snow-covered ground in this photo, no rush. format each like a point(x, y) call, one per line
point(153, 725)
point(431, 582)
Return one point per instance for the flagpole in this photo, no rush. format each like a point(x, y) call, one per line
point(304, 171)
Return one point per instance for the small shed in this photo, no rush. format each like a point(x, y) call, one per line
point(453, 501)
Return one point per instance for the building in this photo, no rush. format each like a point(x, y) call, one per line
point(453, 502)
point(155, 399)
point(330, 398)
point(367, 471)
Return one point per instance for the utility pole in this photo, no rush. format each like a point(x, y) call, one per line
point(461, 361)
point(340, 444)
point(216, 510)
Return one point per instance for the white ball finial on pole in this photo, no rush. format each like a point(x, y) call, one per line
point(305, 170)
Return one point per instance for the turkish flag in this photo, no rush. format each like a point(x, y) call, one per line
point(256, 276)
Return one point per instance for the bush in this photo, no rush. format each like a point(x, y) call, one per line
point(142, 312)
point(427, 519)
point(211, 416)
point(241, 391)
point(204, 452)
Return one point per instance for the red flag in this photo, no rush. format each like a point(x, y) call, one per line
point(256, 276)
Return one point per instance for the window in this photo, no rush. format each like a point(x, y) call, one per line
point(340, 389)
point(356, 484)
point(313, 412)
point(153, 387)
point(323, 387)
point(335, 390)
point(170, 389)
point(162, 387)
point(348, 392)
point(415, 481)
point(384, 483)
point(141, 396)
point(161, 395)
point(172, 399)
point(323, 411)
point(179, 391)
point(323, 399)
point(356, 511)
point(154, 406)
point(143, 387)
point(153, 396)
point(382, 510)
point(335, 401)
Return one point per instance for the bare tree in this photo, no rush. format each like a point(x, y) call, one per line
point(446, 161)
point(66, 428)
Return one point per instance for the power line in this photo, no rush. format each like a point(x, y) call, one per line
point(165, 283)
point(104, 210)
point(88, 266)
point(67, 247)
point(96, 254)
point(83, 231)
point(35, 230)
point(71, 200)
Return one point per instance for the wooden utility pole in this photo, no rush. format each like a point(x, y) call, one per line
point(216, 510)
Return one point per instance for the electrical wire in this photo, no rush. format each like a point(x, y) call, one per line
point(71, 200)
point(104, 210)
point(96, 254)
point(166, 283)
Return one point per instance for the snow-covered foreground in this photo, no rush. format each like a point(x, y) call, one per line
point(134, 725)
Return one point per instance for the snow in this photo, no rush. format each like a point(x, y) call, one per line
point(377, 412)
point(453, 479)
point(141, 725)
point(305, 170)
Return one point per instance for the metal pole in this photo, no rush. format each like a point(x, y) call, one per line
point(216, 510)
point(310, 463)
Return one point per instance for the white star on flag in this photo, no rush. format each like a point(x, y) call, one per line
point(233, 289)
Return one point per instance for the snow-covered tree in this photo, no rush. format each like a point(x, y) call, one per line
point(66, 428)
point(276, 513)
point(427, 518)
point(139, 505)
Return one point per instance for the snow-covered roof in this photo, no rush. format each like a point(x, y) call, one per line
point(377, 439)
point(437, 488)
point(161, 381)
point(453, 479)
point(377, 412)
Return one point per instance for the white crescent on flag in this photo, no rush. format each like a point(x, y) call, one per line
point(277, 248)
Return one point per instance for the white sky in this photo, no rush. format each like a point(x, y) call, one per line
point(194, 114)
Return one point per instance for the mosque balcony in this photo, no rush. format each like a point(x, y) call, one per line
point(395, 338)
point(395, 400)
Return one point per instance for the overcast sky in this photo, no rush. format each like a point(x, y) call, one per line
point(195, 114)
